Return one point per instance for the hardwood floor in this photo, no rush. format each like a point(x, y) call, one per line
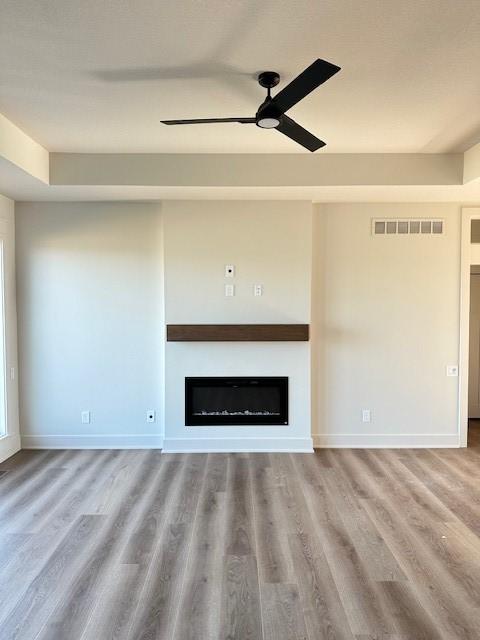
point(341, 545)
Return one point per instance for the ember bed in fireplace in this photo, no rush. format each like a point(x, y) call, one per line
point(236, 401)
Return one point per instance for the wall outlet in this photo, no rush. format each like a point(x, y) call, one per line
point(85, 417)
point(452, 370)
point(12, 373)
point(229, 270)
point(150, 416)
point(258, 289)
point(229, 290)
point(366, 415)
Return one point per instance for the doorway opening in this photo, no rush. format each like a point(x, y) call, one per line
point(469, 342)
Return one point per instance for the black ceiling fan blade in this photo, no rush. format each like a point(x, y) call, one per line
point(210, 121)
point(313, 76)
point(297, 133)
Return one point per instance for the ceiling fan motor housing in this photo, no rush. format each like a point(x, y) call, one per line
point(268, 79)
point(268, 115)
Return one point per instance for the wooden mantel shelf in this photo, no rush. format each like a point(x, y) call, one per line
point(237, 332)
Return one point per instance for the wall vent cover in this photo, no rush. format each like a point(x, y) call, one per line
point(403, 227)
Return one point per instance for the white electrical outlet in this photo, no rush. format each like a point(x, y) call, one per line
point(366, 415)
point(85, 417)
point(229, 290)
point(150, 416)
point(12, 373)
point(452, 370)
point(258, 289)
point(229, 270)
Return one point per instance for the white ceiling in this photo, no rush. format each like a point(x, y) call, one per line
point(95, 76)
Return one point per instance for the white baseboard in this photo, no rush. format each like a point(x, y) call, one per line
point(9, 445)
point(142, 441)
point(240, 445)
point(385, 441)
point(237, 445)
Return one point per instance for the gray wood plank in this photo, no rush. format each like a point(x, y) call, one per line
point(110, 619)
point(241, 613)
point(410, 619)
point(282, 613)
point(270, 536)
point(200, 607)
point(322, 608)
point(240, 532)
point(9, 543)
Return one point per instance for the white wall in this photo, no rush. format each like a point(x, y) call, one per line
point(385, 320)
point(90, 319)
point(10, 443)
point(385, 325)
point(270, 244)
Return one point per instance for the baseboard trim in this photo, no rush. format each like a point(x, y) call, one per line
point(241, 445)
point(9, 445)
point(142, 441)
point(237, 445)
point(386, 441)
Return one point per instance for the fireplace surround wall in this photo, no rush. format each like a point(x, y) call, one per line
point(269, 243)
point(212, 359)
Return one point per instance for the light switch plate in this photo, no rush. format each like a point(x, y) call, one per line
point(366, 415)
point(452, 370)
point(229, 290)
point(229, 270)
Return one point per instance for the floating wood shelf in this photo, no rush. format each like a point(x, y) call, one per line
point(237, 332)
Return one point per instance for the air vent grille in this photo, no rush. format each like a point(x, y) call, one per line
point(403, 227)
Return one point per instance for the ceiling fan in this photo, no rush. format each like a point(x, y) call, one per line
point(271, 113)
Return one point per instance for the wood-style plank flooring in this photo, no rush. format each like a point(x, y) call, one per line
point(341, 545)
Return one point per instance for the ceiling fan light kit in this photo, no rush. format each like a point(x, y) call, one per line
point(268, 123)
point(271, 113)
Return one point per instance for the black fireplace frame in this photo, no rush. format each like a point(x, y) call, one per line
point(226, 420)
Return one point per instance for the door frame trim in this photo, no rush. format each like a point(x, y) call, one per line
point(467, 215)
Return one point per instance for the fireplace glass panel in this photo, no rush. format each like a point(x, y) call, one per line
point(236, 401)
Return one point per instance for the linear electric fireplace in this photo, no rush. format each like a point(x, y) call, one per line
point(236, 401)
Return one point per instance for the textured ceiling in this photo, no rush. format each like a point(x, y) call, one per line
point(98, 76)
